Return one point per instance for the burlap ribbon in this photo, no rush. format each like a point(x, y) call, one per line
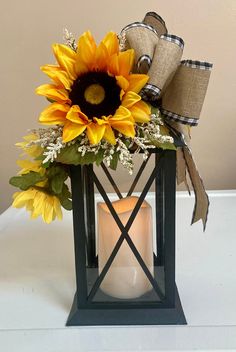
point(177, 87)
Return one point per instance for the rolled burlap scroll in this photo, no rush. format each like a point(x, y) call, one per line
point(143, 39)
point(157, 22)
point(183, 99)
point(166, 59)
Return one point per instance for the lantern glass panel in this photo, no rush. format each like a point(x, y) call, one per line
point(126, 279)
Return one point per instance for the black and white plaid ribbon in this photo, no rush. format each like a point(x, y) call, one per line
point(139, 25)
point(175, 117)
point(150, 92)
point(202, 65)
point(173, 39)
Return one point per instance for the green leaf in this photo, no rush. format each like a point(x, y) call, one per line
point(56, 169)
point(27, 180)
point(114, 161)
point(66, 203)
point(70, 155)
point(65, 191)
point(64, 197)
point(46, 165)
point(154, 110)
point(99, 157)
point(166, 145)
point(40, 157)
point(56, 175)
point(57, 184)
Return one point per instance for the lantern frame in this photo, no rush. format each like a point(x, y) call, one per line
point(85, 311)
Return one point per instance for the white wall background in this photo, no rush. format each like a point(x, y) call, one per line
point(28, 28)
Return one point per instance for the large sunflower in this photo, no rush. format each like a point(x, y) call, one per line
point(94, 91)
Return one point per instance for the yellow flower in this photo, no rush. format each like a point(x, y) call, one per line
point(33, 150)
point(27, 166)
point(38, 203)
point(94, 91)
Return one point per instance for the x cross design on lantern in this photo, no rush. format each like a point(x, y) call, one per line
point(91, 178)
point(125, 233)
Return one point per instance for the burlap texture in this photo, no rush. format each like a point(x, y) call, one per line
point(143, 41)
point(201, 198)
point(183, 89)
point(181, 168)
point(184, 130)
point(166, 59)
point(186, 92)
point(154, 20)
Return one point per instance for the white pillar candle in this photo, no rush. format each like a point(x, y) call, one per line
point(125, 277)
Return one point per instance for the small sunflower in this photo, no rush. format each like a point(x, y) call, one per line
point(94, 91)
point(32, 150)
point(38, 203)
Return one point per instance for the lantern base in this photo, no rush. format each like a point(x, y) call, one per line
point(96, 314)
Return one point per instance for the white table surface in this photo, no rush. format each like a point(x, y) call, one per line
point(37, 284)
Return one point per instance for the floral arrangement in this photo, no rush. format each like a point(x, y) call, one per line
point(96, 114)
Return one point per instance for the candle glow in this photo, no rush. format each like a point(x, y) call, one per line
point(125, 278)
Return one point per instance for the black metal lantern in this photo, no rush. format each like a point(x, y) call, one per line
point(92, 304)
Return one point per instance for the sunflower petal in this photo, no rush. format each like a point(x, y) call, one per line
point(141, 112)
point(66, 58)
point(124, 127)
point(29, 205)
point(87, 49)
point(101, 58)
point(57, 207)
point(34, 214)
point(102, 120)
point(76, 115)
point(111, 42)
point(59, 76)
point(122, 82)
point(28, 166)
point(38, 203)
point(47, 213)
point(121, 114)
point(123, 122)
point(80, 67)
point(32, 150)
point(126, 61)
point(21, 198)
point(72, 130)
point(113, 65)
point(15, 195)
point(129, 99)
point(53, 92)
point(137, 82)
point(95, 132)
point(109, 135)
point(42, 184)
point(54, 114)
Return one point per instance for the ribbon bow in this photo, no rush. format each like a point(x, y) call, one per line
point(177, 87)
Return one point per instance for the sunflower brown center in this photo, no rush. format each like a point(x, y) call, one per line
point(96, 93)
